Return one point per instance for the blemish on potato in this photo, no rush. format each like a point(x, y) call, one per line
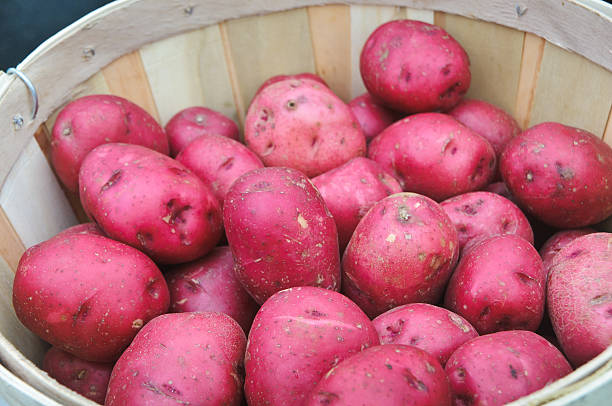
point(137, 324)
point(390, 238)
point(302, 221)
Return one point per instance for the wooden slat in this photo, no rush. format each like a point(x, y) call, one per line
point(330, 31)
point(126, 77)
point(573, 91)
point(608, 131)
point(495, 58)
point(189, 70)
point(231, 69)
point(11, 246)
point(533, 50)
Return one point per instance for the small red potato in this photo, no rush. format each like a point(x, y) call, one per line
point(414, 67)
point(402, 251)
point(150, 201)
point(281, 233)
point(86, 378)
point(297, 336)
point(218, 161)
point(560, 174)
point(435, 330)
point(209, 284)
point(499, 284)
point(193, 122)
point(434, 155)
point(498, 368)
point(280, 78)
point(351, 189)
point(390, 375)
point(372, 117)
point(301, 124)
point(98, 119)
point(479, 215)
point(579, 296)
point(557, 241)
point(85, 228)
point(88, 295)
point(181, 359)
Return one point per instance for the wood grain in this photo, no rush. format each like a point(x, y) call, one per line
point(533, 50)
point(11, 246)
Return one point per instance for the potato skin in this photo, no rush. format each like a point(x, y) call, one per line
point(209, 284)
point(499, 284)
point(413, 67)
point(434, 155)
point(301, 124)
point(88, 295)
point(433, 329)
point(402, 251)
point(281, 233)
point(89, 379)
point(150, 201)
point(372, 117)
point(297, 336)
point(93, 120)
point(561, 174)
point(498, 368)
point(351, 189)
point(579, 297)
point(85, 228)
point(181, 358)
point(557, 241)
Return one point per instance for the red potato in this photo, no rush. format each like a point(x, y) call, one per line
point(181, 359)
point(500, 188)
point(479, 215)
point(86, 378)
point(579, 296)
point(150, 201)
point(209, 284)
point(85, 228)
point(499, 284)
point(498, 368)
point(351, 189)
point(297, 336)
point(402, 251)
point(218, 161)
point(281, 233)
point(88, 295)
point(94, 120)
point(301, 124)
point(280, 78)
point(560, 174)
point(414, 67)
point(433, 329)
point(390, 375)
point(557, 241)
point(193, 122)
point(372, 117)
point(434, 155)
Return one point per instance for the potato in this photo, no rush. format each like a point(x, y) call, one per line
point(181, 359)
point(402, 251)
point(579, 296)
point(499, 284)
point(297, 336)
point(93, 120)
point(301, 124)
point(85, 228)
point(149, 201)
point(434, 155)
point(87, 295)
point(560, 174)
point(414, 67)
point(557, 241)
point(281, 233)
point(433, 329)
point(193, 122)
point(498, 368)
point(372, 117)
point(351, 189)
point(86, 378)
point(390, 375)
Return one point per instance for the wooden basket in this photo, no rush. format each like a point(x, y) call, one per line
point(539, 60)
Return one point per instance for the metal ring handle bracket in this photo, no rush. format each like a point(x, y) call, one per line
point(26, 81)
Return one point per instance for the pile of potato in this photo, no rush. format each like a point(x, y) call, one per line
point(379, 252)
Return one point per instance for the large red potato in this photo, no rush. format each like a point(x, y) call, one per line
point(93, 120)
point(301, 124)
point(402, 251)
point(412, 66)
point(150, 201)
point(372, 117)
point(297, 336)
point(281, 233)
point(181, 359)
point(87, 295)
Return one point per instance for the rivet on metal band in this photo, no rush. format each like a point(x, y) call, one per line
point(29, 85)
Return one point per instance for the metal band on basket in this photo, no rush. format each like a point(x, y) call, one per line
point(29, 85)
